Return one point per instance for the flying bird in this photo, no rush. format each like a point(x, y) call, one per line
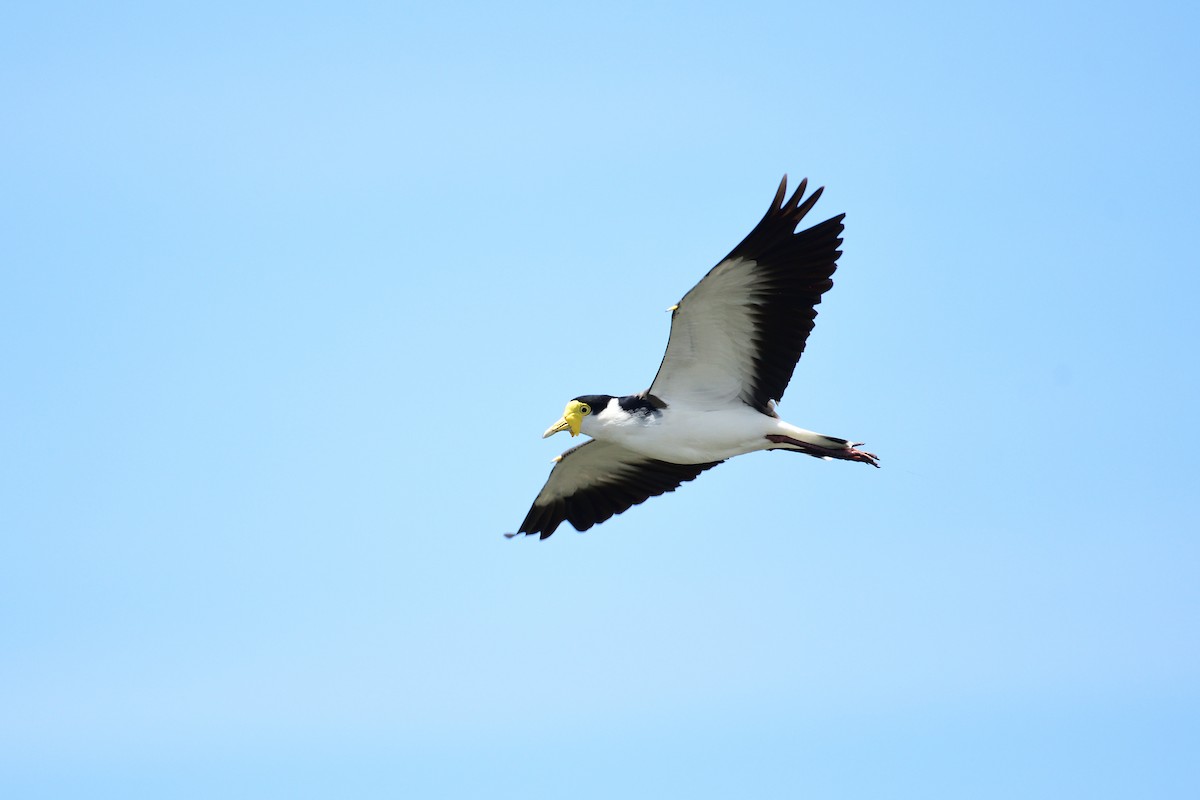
point(734, 343)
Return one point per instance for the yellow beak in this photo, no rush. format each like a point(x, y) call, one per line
point(571, 419)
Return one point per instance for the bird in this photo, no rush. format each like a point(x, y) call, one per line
point(734, 343)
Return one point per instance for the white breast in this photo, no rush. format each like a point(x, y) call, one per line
point(684, 435)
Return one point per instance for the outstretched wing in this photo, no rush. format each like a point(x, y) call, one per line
point(738, 334)
point(595, 480)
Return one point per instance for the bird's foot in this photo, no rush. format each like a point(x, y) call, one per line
point(852, 453)
point(838, 448)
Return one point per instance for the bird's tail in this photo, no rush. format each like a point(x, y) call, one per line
point(818, 445)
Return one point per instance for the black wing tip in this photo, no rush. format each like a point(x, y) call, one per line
point(540, 534)
point(793, 201)
point(790, 209)
point(780, 193)
point(540, 521)
point(777, 228)
point(779, 206)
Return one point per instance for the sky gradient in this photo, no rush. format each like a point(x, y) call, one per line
point(289, 294)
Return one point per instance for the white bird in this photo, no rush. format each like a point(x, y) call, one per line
point(735, 340)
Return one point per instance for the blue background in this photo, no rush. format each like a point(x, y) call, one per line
point(289, 292)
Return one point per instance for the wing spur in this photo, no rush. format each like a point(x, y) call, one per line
point(595, 480)
point(739, 332)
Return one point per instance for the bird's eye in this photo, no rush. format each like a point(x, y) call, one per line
point(585, 410)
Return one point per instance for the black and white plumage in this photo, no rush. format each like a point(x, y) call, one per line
point(735, 340)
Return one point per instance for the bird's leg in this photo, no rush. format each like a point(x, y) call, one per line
point(838, 448)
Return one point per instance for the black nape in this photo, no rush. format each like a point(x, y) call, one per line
point(596, 401)
point(644, 403)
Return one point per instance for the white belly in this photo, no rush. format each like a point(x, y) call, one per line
point(688, 436)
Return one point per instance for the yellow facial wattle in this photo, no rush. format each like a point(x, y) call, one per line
point(571, 420)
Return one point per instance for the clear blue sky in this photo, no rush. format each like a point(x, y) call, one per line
point(288, 294)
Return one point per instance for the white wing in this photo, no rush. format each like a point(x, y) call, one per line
point(737, 335)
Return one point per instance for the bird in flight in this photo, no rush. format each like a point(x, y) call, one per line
point(735, 340)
